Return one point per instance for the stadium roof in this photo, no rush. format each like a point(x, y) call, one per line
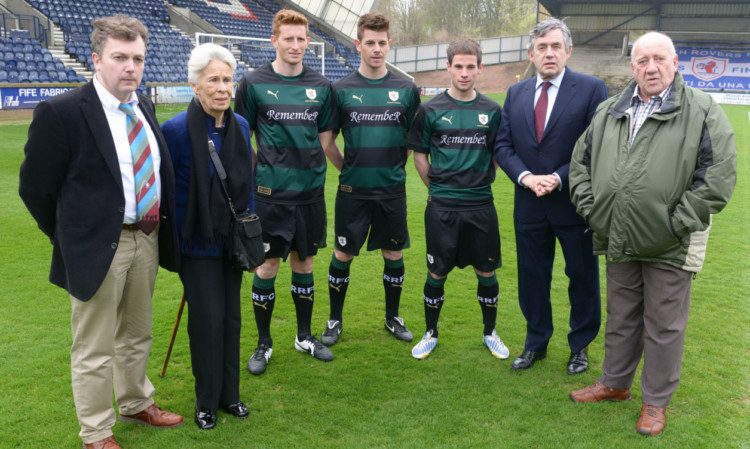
point(724, 19)
point(723, 8)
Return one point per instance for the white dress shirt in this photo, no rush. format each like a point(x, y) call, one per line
point(551, 97)
point(117, 120)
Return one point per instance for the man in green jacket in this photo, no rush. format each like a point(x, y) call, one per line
point(655, 164)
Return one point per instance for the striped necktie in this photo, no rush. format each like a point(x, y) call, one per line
point(147, 203)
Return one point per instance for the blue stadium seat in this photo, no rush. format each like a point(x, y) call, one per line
point(43, 77)
point(3, 76)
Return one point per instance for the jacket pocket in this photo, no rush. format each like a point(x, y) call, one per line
point(651, 235)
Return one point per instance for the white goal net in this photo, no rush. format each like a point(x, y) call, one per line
point(254, 52)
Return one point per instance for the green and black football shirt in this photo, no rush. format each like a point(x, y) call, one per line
point(286, 114)
point(374, 117)
point(459, 137)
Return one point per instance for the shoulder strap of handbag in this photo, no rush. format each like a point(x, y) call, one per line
point(219, 167)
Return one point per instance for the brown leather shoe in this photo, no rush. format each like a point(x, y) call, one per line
point(597, 392)
point(155, 417)
point(107, 443)
point(652, 420)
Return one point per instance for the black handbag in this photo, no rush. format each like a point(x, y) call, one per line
point(245, 248)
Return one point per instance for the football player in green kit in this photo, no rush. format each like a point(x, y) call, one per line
point(290, 110)
point(374, 111)
point(453, 137)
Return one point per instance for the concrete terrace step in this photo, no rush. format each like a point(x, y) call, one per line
point(607, 63)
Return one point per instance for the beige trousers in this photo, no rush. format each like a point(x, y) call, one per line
point(112, 338)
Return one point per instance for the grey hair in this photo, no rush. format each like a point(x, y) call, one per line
point(202, 55)
point(545, 26)
point(654, 36)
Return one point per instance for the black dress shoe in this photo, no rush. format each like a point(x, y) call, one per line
point(578, 363)
point(205, 418)
point(238, 409)
point(527, 358)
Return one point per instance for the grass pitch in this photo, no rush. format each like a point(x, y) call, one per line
point(374, 394)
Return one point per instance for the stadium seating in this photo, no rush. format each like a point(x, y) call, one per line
point(75, 20)
point(22, 58)
point(255, 21)
point(30, 62)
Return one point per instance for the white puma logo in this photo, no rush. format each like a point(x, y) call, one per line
point(448, 119)
point(358, 98)
point(275, 94)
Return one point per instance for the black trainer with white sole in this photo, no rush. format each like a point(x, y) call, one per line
point(314, 347)
point(396, 326)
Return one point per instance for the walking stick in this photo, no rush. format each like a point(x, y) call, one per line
point(174, 334)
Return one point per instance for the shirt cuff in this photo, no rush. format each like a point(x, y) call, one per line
point(520, 177)
point(559, 181)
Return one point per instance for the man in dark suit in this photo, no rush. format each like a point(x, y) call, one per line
point(542, 119)
point(98, 180)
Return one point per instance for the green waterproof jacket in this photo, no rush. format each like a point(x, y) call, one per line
point(653, 202)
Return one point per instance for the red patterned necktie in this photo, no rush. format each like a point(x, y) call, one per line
point(540, 111)
point(147, 203)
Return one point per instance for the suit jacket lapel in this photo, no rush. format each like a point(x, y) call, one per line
point(527, 99)
point(93, 112)
point(154, 124)
point(565, 93)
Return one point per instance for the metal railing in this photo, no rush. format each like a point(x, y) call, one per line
point(429, 57)
point(24, 26)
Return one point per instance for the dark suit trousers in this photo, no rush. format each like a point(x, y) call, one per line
point(212, 291)
point(536, 253)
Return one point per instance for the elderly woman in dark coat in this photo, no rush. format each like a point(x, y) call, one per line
point(211, 283)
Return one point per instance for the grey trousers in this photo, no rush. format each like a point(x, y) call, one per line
point(647, 312)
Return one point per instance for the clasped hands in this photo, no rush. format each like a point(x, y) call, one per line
point(541, 184)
